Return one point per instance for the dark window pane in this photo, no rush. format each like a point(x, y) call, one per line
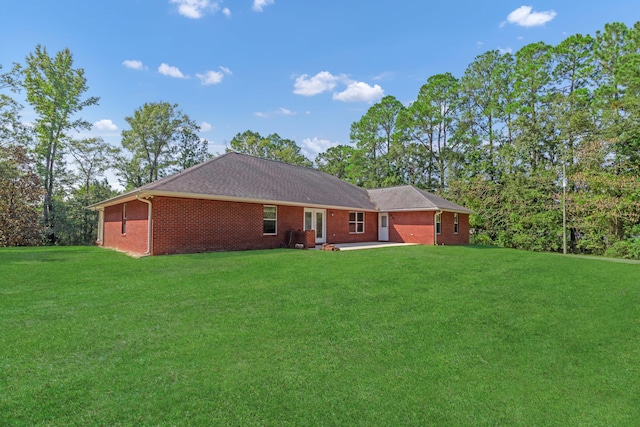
point(308, 218)
point(319, 224)
point(270, 212)
point(269, 226)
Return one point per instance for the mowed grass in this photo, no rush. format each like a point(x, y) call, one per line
point(396, 336)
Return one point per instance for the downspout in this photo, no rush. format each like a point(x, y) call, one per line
point(435, 229)
point(148, 202)
point(100, 240)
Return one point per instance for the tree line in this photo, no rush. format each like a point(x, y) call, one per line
point(518, 138)
point(528, 141)
point(48, 176)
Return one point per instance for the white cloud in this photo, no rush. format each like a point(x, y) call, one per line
point(526, 17)
point(168, 70)
point(134, 64)
point(205, 127)
point(387, 75)
point(479, 44)
point(279, 112)
point(105, 124)
point(196, 9)
point(359, 92)
point(210, 77)
point(226, 71)
point(312, 147)
point(505, 50)
point(226, 12)
point(258, 5)
point(322, 82)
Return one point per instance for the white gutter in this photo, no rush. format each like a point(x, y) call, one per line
point(435, 230)
point(149, 241)
point(148, 194)
point(101, 226)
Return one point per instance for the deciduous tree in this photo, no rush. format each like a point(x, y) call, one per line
point(55, 90)
point(161, 139)
point(12, 131)
point(272, 147)
point(374, 134)
point(20, 196)
point(345, 162)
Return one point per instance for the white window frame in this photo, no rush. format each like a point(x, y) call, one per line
point(310, 225)
point(455, 223)
point(438, 222)
point(321, 234)
point(264, 220)
point(356, 222)
point(101, 226)
point(124, 219)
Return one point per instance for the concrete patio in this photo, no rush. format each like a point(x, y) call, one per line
point(366, 245)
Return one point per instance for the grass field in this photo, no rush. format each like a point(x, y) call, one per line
point(397, 336)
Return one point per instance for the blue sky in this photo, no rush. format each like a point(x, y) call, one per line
point(303, 69)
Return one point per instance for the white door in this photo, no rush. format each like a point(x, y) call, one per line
point(315, 219)
point(383, 227)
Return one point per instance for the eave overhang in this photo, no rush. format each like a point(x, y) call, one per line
point(148, 194)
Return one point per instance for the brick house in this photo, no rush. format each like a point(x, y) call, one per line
point(238, 202)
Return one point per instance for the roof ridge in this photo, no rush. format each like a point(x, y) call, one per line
point(393, 186)
point(272, 160)
point(420, 190)
point(425, 196)
point(308, 168)
point(167, 179)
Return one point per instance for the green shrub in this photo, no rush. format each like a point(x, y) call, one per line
point(628, 249)
point(481, 239)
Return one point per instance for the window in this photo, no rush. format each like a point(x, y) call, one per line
point(124, 219)
point(455, 223)
point(356, 222)
point(319, 225)
point(308, 220)
point(438, 223)
point(269, 219)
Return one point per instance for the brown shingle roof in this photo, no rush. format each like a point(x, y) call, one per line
point(408, 197)
point(243, 177)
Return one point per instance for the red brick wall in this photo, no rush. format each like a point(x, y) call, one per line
point(447, 236)
point(411, 227)
point(135, 239)
point(310, 238)
point(418, 227)
point(338, 227)
point(194, 225)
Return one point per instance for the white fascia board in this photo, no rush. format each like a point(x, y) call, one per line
point(427, 210)
point(123, 198)
point(149, 194)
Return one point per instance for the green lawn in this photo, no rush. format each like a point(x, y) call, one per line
point(396, 336)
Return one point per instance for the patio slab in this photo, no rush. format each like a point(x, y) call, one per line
point(366, 245)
